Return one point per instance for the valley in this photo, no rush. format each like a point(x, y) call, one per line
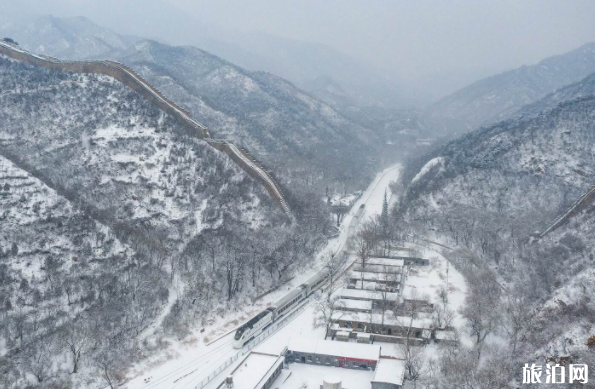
point(293, 197)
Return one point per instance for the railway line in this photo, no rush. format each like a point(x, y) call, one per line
point(219, 356)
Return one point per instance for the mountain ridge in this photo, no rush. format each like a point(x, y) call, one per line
point(494, 98)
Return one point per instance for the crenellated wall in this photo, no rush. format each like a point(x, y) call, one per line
point(584, 202)
point(129, 78)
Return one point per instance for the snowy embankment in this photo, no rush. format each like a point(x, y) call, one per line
point(185, 364)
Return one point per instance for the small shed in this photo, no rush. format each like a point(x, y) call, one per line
point(342, 336)
point(389, 374)
point(363, 337)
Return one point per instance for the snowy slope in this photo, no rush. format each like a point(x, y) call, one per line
point(274, 120)
point(495, 98)
point(117, 227)
point(72, 38)
point(490, 194)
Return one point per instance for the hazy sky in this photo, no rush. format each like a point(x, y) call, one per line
point(411, 37)
point(417, 35)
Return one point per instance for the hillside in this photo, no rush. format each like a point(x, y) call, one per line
point(327, 137)
point(485, 195)
point(72, 38)
point(515, 167)
point(282, 125)
point(113, 215)
point(492, 99)
point(582, 88)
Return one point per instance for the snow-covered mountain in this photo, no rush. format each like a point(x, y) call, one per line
point(338, 142)
point(282, 125)
point(116, 224)
point(494, 98)
point(72, 38)
point(582, 88)
point(488, 192)
point(307, 63)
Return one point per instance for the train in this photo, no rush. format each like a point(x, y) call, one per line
point(253, 327)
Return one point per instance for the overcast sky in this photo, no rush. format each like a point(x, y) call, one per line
point(418, 35)
point(411, 37)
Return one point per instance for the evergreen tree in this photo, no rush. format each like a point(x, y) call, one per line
point(384, 215)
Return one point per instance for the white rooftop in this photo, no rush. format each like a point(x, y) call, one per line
point(390, 371)
point(385, 262)
point(338, 349)
point(373, 276)
point(389, 319)
point(367, 294)
point(252, 370)
point(355, 304)
point(313, 375)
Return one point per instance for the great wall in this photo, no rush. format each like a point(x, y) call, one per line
point(129, 78)
point(583, 203)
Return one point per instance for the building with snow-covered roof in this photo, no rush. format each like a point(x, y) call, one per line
point(376, 268)
point(388, 329)
point(354, 305)
point(388, 262)
point(329, 353)
point(255, 371)
point(368, 295)
point(374, 286)
point(371, 276)
point(389, 374)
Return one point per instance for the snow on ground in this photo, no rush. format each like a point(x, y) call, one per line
point(427, 280)
point(428, 166)
point(187, 362)
point(372, 198)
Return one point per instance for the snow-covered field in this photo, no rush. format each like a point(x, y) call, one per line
point(185, 364)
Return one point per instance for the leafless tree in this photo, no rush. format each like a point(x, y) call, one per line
point(78, 339)
point(334, 264)
point(481, 307)
point(326, 312)
point(415, 365)
point(38, 357)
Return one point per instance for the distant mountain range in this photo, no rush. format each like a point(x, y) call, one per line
point(72, 38)
point(329, 132)
point(495, 98)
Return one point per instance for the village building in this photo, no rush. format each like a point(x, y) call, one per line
point(255, 371)
point(329, 353)
point(390, 329)
point(389, 374)
point(354, 305)
point(376, 297)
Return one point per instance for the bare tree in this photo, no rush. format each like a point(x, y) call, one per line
point(480, 309)
point(517, 315)
point(78, 340)
point(334, 265)
point(326, 312)
point(414, 362)
point(362, 251)
point(38, 357)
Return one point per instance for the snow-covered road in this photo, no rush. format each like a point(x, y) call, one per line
point(186, 365)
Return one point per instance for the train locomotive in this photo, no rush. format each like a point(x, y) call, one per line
point(264, 319)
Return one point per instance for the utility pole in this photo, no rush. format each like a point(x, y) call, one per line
point(447, 266)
